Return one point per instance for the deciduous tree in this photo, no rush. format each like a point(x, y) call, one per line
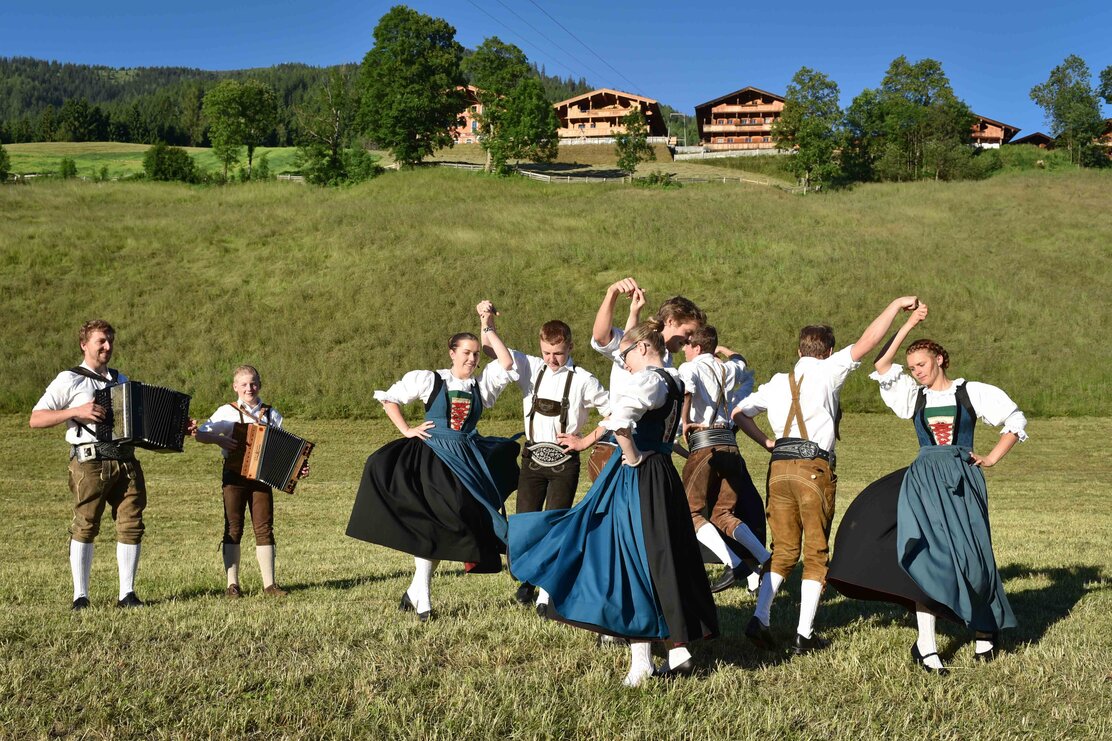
point(327, 154)
point(1071, 105)
point(632, 145)
point(811, 126)
point(239, 114)
point(410, 85)
point(5, 164)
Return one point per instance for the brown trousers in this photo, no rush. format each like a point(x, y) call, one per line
point(707, 476)
point(120, 485)
point(800, 509)
point(242, 494)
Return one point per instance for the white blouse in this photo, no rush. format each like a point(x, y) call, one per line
point(418, 385)
point(900, 391)
point(644, 391)
point(619, 376)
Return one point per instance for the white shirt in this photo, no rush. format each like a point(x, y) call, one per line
point(224, 418)
point(822, 381)
point(644, 391)
point(69, 390)
point(619, 376)
point(900, 391)
point(418, 385)
point(585, 393)
point(703, 379)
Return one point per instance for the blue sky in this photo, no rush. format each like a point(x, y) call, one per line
point(679, 54)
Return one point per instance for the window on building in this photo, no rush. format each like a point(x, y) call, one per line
point(474, 126)
point(730, 140)
point(592, 124)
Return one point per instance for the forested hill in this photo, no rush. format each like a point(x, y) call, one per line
point(58, 101)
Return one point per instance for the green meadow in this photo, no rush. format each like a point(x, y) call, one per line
point(335, 658)
point(122, 159)
point(334, 293)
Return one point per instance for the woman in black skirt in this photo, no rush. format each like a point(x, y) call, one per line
point(438, 492)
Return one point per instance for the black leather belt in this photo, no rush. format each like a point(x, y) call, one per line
point(711, 437)
point(796, 448)
point(102, 451)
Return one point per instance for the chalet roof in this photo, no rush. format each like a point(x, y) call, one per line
point(1001, 124)
point(612, 91)
point(1037, 138)
point(735, 93)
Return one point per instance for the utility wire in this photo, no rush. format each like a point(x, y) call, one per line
point(527, 41)
point(546, 38)
point(634, 85)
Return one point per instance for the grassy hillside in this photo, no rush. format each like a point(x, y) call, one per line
point(335, 658)
point(334, 293)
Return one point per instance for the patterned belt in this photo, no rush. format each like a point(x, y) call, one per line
point(795, 448)
point(101, 451)
point(548, 455)
point(710, 437)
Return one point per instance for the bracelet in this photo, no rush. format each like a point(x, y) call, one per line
point(488, 329)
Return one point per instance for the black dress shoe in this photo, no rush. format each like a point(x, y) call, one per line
point(542, 609)
point(80, 603)
point(130, 600)
point(759, 634)
point(727, 580)
point(686, 669)
point(525, 594)
point(406, 605)
point(920, 659)
point(807, 645)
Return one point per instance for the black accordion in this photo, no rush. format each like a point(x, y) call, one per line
point(272, 455)
point(143, 415)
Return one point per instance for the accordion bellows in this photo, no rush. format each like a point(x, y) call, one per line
point(271, 455)
point(143, 415)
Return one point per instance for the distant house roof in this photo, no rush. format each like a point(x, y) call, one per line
point(736, 93)
point(1009, 130)
point(1039, 139)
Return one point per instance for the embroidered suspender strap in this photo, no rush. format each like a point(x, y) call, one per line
point(564, 405)
point(795, 413)
point(533, 405)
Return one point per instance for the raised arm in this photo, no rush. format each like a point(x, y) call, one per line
point(636, 303)
point(884, 362)
point(604, 319)
point(874, 333)
point(490, 336)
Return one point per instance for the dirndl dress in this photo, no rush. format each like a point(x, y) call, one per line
point(921, 534)
point(441, 498)
point(624, 561)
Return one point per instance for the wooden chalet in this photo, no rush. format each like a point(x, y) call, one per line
point(1105, 139)
point(739, 120)
point(598, 114)
point(990, 134)
point(468, 132)
point(1038, 139)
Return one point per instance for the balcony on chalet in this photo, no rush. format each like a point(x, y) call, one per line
point(749, 108)
point(739, 128)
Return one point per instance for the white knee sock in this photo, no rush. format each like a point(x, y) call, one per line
point(677, 656)
point(926, 641)
point(542, 596)
point(81, 563)
point(769, 586)
point(418, 591)
point(809, 593)
point(708, 535)
point(231, 562)
point(640, 663)
point(127, 557)
point(264, 554)
point(749, 541)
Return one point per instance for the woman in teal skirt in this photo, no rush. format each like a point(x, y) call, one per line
point(936, 558)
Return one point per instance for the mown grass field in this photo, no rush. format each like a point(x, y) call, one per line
point(333, 293)
point(124, 159)
point(336, 659)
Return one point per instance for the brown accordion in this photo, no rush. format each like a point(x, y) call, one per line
point(269, 454)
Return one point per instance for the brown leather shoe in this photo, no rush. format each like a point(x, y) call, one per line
point(275, 591)
point(233, 592)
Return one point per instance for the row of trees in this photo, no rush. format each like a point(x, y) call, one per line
point(913, 126)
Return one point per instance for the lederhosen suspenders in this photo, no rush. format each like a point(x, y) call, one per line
point(98, 449)
point(714, 435)
point(564, 404)
point(548, 454)
point(798, 448)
